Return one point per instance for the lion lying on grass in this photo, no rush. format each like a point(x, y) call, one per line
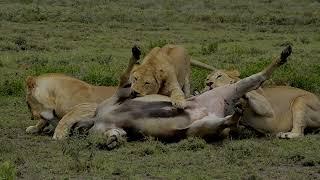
point(51, 97)
point(281, 110)
point(165, 71)
point(205, 115)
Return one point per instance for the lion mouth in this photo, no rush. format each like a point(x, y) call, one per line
point(135, 94)
point(210, 87)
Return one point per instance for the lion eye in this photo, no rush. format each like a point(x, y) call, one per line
point(147, 83)
point(219, 76)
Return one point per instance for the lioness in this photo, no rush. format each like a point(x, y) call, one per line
point(51, 96)
point(281, 110)
point(205, 116)
point(164, 71)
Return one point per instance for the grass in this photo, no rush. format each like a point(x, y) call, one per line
point(91, 40)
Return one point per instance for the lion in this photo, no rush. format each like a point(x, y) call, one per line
point(165, 71)
point(51, 96)
point(281, 110)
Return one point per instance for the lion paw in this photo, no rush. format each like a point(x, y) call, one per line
point(115, 137)
point(32, 130)
point(289, 135)
point(59, 135)
point(180, 103)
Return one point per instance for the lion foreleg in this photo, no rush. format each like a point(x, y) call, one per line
point(42, 123)
point(299, 119)
point(78, 113)
point(177, 98)
point(176, 94)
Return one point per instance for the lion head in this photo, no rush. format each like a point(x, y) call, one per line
point(35, 105)
point(144, 81)
point(220, 78)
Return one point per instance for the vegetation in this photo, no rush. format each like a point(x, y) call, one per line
point(91, 40)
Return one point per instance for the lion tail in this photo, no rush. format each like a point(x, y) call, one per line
point(202, 65)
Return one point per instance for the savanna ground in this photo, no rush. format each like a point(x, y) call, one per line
point(91, 40)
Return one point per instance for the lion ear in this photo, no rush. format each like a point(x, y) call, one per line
point(233, 73)
point(31, 82)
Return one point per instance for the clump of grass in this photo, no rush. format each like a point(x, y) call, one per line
point(304, 40)
point(235, 151)
point(308, 83)
point(244, 133)
point(26, 13)
point(105, 60)
point(6, 45)
point(7, 171)
point(80, 152)
point(32, 59)
point(157, 43)
point(13, 86)
point(53, 68)
point(98, 76)
point(151, 147)
point(197, 79)
point(21, 43)
point(207, 17)
point(241, 50)
point(24, 44)
point(209, 48)
point(192, 144)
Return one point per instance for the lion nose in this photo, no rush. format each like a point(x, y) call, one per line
point(134, 94)
point(209, 84)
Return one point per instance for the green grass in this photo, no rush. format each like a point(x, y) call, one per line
point(91, 40)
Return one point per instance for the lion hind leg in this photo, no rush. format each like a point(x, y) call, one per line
point(260, 104)
point(77, 114)
point(300, 117)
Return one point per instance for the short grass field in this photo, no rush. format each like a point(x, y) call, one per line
point(92, 40)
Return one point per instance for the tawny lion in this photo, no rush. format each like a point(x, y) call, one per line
point(282, 110)
point(165, 71)
point(51, 96)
